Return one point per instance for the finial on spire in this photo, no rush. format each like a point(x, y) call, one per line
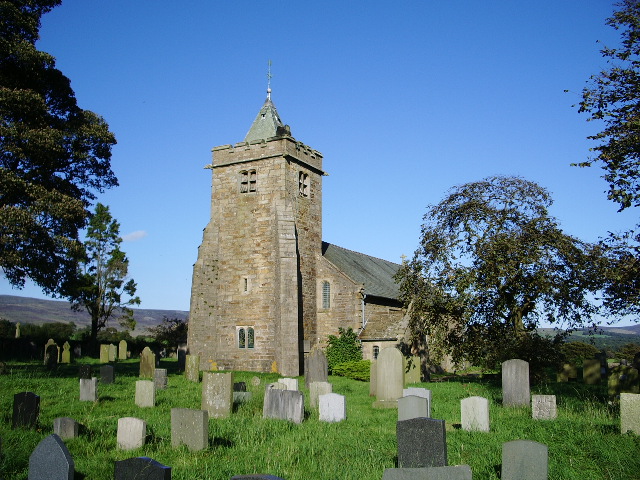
point(269, 81)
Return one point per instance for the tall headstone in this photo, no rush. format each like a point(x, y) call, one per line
point(122, 350)
point(373, 377)
point(475, 414)
point(65, 427)
point(455, 472)
point(182, 356)
point(26, 410)
point(147, 363)
point(107, 374)
point(89, 389)
point(411, 369)
point(333, 408)
point(217, 394)
point(591, 371)
point(51, 460)
point(524, 460)
point(132, 433)
point(630, 413)
point(143, 468)
point(283, 404)
point(413, 406)
point(160, 378)
point(189, 427)
point(48, 353)
point(104, 353)
point(316, 389)
point(316, 367)
point(515, 383)
point(145, 393)
point(543, 407)
point(113, 352)
point(389, 378)
point(66, 353)
point(192, 368)
point(422, 442)
point(623, 379)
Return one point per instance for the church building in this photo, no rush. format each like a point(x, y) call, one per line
point(266, 288)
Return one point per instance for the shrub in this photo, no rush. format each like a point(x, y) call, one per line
point(356, 370)
point(344, 348)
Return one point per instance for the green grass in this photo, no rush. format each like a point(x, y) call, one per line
point(584, 441)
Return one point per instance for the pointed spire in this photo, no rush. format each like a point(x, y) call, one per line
point(268, 121)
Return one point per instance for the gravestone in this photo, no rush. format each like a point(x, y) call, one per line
point(132, 433)
point(107, 374)
point(240, 387)
point(51, 460)
point(17, 335)
point(192, 368)
point(623, 379)
point(604, 365)
point(145, 393)
point(291, 383)
point(333, 407)
point(141, 468)
point(84, 371)
point(411, 369)
point(113, 352)
point(316, 367)
point(373, 376)
point(66, 353)
point(413, 406)
point(524, 460)
point(189, 427)
point(418, 392)
point(26, 410)
point(630, 413)
point(217, 394)
point(48, 358)
point(422, 442)
point(160, 378)
point(89, 389)
point(474, 412)
point(122, 350)
point(242, 397)
point(567, 372)
point(104, 353)
point(515, 383)
point(543, 407)
point(455, 472)
point(316, 389)
point(283, 404)
point(147, 363)
point(591, 371)
point(182, 356)
point(389, 378)
point(65, 427)
point(277, 386)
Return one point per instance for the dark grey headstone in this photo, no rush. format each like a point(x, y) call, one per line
point(26, 409)
point(141, 468)
point(182, 356)
point(524, 460)
point(422, 442)
point(51, 460)
point(84, 371)
point(65, 427)
point(316, 367)
point(457, 472)
point(283, 404)
point(239, 387)
point(160, 378)
point(515, 383)
point(107, 374)
point(51, 357)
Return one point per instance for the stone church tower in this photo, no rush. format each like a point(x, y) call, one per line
point(253, 297)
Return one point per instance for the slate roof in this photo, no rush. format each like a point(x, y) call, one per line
point(374, 273)
point(266, 123)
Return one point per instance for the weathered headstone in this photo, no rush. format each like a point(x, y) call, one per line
point(66, 353)
point(411, 369)
point(421, 443)
point(143, 468)
point(160, 378)
point(515, 383)
point(418, 392)
point(189, 427)
point(630, 413)
point(255, 381)
point(51, 460)
point(283, 404)
point(239, 386)
point(591, 371)
point(89, 389)
point(316, 367)
point(543, 407)
point(373, 377)
point(291, 383)
point(217, 394)
point(132, 433)
point(567, 372)
point(147, 363)
point(65, 427)
point(475, 414)
point(145, 393)
point(524, 460)
point(84, 371)
point(113, 352)
point(192, 368)
point(454, 472)
point(122, 350)
point(333, 407)
point(107, 374)
point(389, 378)
point(104, 353)
point(316, 389)
point(623, 379)
point(26, 410)
point(182, 356)
point(413, 406)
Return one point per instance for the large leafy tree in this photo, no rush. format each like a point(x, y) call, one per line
point(53, 157)
point(101, 286)
point(492, 263)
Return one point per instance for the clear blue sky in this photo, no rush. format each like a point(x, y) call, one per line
point(403, 101)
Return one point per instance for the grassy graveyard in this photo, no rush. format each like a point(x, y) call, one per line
point(584, 441)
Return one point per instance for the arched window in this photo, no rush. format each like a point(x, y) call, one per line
point(250, 337)
point(326, 295)
point(241, 338)
point(376, 352)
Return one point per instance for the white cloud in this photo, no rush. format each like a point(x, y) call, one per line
point(134, 236)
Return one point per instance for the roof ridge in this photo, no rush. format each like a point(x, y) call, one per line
point(360, 253)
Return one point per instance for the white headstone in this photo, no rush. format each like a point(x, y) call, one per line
point(333, 407)
point(475, 414)
point(132, 433)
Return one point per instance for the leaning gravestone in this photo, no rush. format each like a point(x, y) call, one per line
point(283, 404)
point(145, 393)
point(333, 408)
point(413, 406)
point(389, 378)
point(160, 378)
point(104, 353)
point(316, 367)
point(623, 379)
point(189, 427)
point(217, 394)
point(147, 363)
point(51, 460)
point(630, 413)
point(26, 410)
point(422, 442)
point(475, 414)
point(316, 389)
point(524, 460)
point(591, 371)
point(65, 427)
point(515, 383)
point(89, 389)
point(66, 353)
point(456, 472)
point(411, 367)
point(122, 350)
point(132, 433)
point(192, 368)
point(107, 374)
point(543, 407)
point(143, 468)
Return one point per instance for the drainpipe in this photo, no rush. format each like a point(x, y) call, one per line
point(364, 319)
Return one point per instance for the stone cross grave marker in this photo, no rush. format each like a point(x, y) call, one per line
point(104, 353)
point(591, 371)
point(192, 368)
point(217, 394)
point(316, 389)
point(147, 363)
point(141, 468)
point(630, 413)
point(107, 374)
point(515, 383)
point(389, 378)
point(412, 406)
point(333, 407)
point(189, 427)
point(160, 378)
point(65, 427)
point(51, 460)
point(89, 389)
point(524, 460)
point(316, 367)
point(26, 410)
point(145, 393)
point(283, 404)
point(66, 353)
point(456, 472)
point(132, 433)
point(422, 442)
point(122, 350)
point(475, 414)
point(543, 407)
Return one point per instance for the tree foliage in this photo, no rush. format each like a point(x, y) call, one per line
point(492, 263)
point(54, 156)
point(101, 286)
point(577, 352)
point(171, 332)
point(343, 348)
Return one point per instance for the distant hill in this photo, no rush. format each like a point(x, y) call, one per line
point(33, 310)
